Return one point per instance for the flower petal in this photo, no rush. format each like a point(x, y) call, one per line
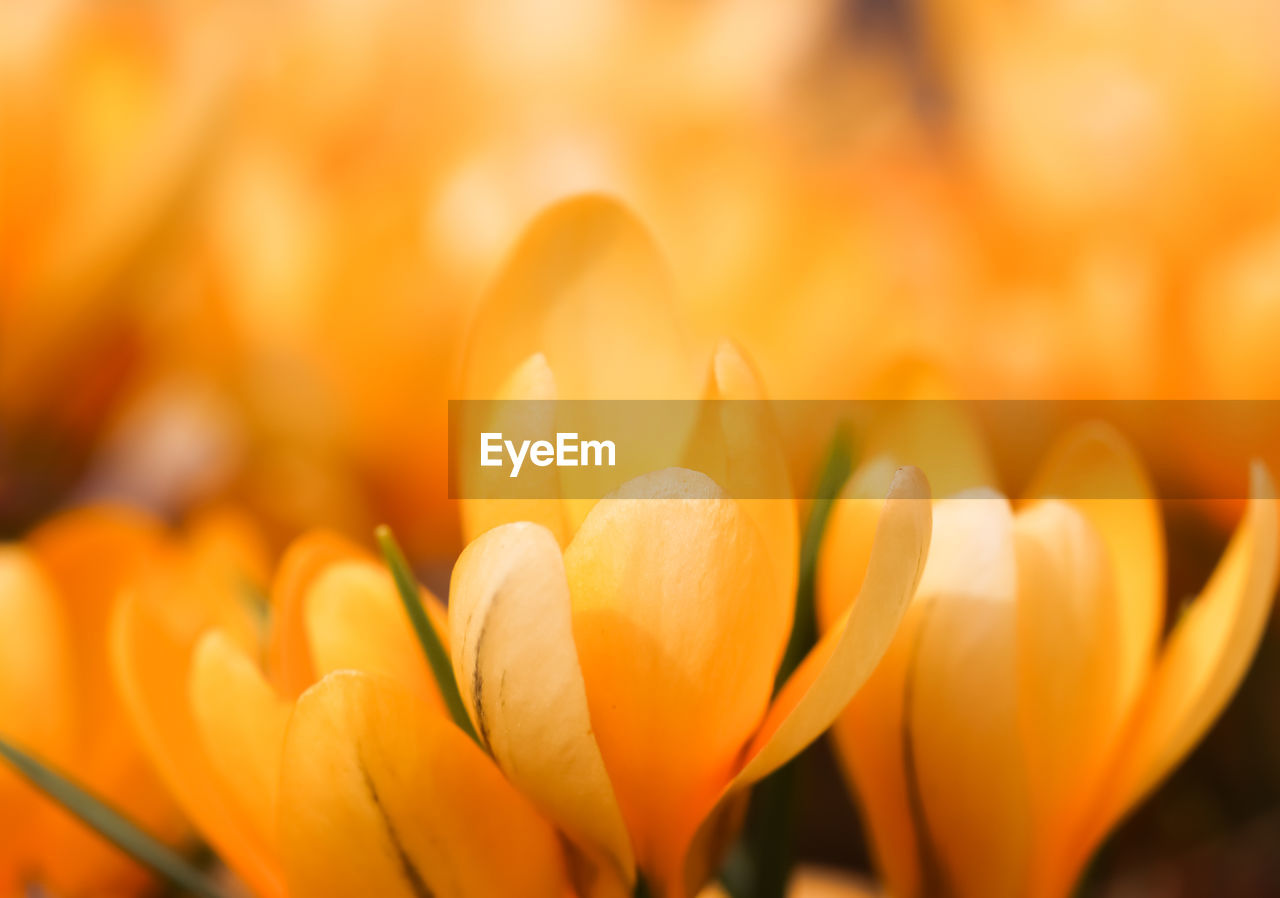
point(289, 652)
point(587, 287)
point(676, 620)
point(524, 408)
point(355, 621)
point(90, 555)
point(737, 444)
point(240, 722)
point(1096, 469)
point(381, 795)
point(1202, 663)
point(513, 653)
point(37, 703)
point(1069, 649)
point(961, 738)
point(150, 655)
point(841, 662)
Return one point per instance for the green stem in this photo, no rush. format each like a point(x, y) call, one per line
point(428, 638)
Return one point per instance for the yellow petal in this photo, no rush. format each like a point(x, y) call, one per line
point(939, 436)
point(1069, 632)
point(585, 286)
point(289, 651)
point(355, 621)
point(1203, 662)
point(675, 616)
point(1098, 471)
point(841, 662)
point(962, 741)
point(868, 734)
point(737, 444)
point(381, 795)
point(869, 743)
point(514, 657)
point(240, 722)
point(524, 408)
point(150, 657)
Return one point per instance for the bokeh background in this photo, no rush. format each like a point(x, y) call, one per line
point(241, 244)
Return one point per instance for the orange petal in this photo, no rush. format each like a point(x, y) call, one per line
point(289, 652)
point(514, 657)
point(1069, 633)
point(678, 627)
point(355, 621)
point(585, 286)
point(90, 555)
point(37, 704)
point(524, 408)
point(737, 444)
point(939, 436)
point(1202, 664)
point(868, 733)
point(841, 662)
point(150, 655)
point(1096, 469)
point(381, 795)
point(240, 722)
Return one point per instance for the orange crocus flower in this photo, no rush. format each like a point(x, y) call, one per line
point(57, 700)
point(1029, 702)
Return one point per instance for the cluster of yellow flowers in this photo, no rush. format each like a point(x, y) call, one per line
point(249, 251)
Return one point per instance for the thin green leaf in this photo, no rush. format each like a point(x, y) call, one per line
point(108, 823)
point(428, 638)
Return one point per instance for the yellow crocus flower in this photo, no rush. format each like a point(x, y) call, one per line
point(670, 591)
point(1029, 702)
point(623, 682)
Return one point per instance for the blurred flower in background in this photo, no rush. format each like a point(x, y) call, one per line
point(249, 250)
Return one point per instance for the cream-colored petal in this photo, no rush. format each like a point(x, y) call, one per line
point(511, 630)
point(962, 741)
point(240, 722)
point(381, 795)
point(818, 882)
point(674, 611)
point(1202, 664)
point(841, 662)
point(1097, 470)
